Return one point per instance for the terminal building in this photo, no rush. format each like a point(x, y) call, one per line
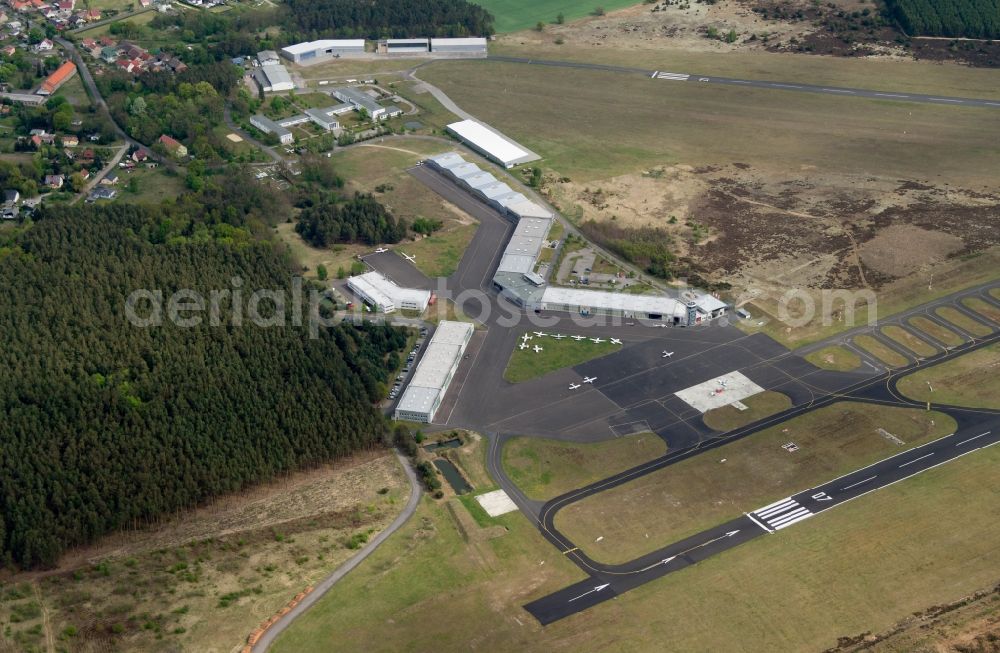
point(384, 295)
point(314, 51)
point(358, 100)
point(322, 118)
point(490, 143)
point(427, 388)
point(517, 278)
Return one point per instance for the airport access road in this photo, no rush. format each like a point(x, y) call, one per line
point(683, 77)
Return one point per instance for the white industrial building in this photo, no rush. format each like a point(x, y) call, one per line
point(407, 46)
point(313, 51)
point(269, 126)
point(517, 280)
point(491, 144)
point(385, 296)
point(359, 100)
point(273, 78)
point(442, 356)
point(468, 46)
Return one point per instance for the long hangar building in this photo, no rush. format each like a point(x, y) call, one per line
point(517, 279)
point(427, 388)
point(312, 51)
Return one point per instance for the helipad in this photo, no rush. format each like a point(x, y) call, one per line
point(720, 391)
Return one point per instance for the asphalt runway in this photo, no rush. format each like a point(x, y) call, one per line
point(680, 77)
point(766, 520)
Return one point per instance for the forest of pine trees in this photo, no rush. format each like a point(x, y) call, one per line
point(105, 425)
point(960, 18)
point(308, 19)
point(360, 219)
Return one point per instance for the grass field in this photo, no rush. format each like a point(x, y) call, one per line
point(935, 330)
point(152, 185)
point(927, 541)
point(910, 341)
point(375, 165)
point(544, 468)
point(971, 380)
point(847, 135)
point(759, 406)
point(525, 364)
point(203, 580)
point(859, 72)
point(963, 321)
point(835, 357)
point(695, 494)
point(888, 356)
point(989, 311)
point(514, 15)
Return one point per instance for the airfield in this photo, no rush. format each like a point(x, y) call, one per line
point(661, 381)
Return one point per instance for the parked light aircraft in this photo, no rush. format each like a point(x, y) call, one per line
point(537, 349)
point(381, 250)
point(597, 341)
point(574, 386)
point(559, 336)
point(409, 257)
point(667, 354)
point(578, 338)
point(523, 346)
point(616, 341)
point(589, 379)
point(539, 333)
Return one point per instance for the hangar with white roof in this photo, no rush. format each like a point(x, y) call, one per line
point(426, 390)
point(491, 144)
point(322, 50)
point(384, 295)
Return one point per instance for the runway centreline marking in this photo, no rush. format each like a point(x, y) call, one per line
point(858, 483)
point(917, 459)
point(975, 437)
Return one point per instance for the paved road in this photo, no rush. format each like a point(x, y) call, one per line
point(681, 77)
point(327, 583)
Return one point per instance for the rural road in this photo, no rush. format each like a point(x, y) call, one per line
point(327, 583)
point(660, 75)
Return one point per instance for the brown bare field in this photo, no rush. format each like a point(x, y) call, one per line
point(202, 580)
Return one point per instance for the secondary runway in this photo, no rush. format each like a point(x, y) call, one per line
point(682, 77)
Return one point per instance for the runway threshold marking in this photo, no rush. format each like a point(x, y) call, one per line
point(870, 478)
point(766, 529)
point(782, 514)
point(917, 459)
point(975, 437)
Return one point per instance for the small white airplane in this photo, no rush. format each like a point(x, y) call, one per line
point(667, 354)
point(589, 379)
point(537, 349)
point(525, 337)
point(381, 250)
point(523, 346)
point(574, 386)
point(578, 338)
point(559, 336)
point(539, 333)
point(408, 257)
point(616, 341)
point(597, 341)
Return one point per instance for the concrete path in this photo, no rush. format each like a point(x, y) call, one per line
point(327, 583)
